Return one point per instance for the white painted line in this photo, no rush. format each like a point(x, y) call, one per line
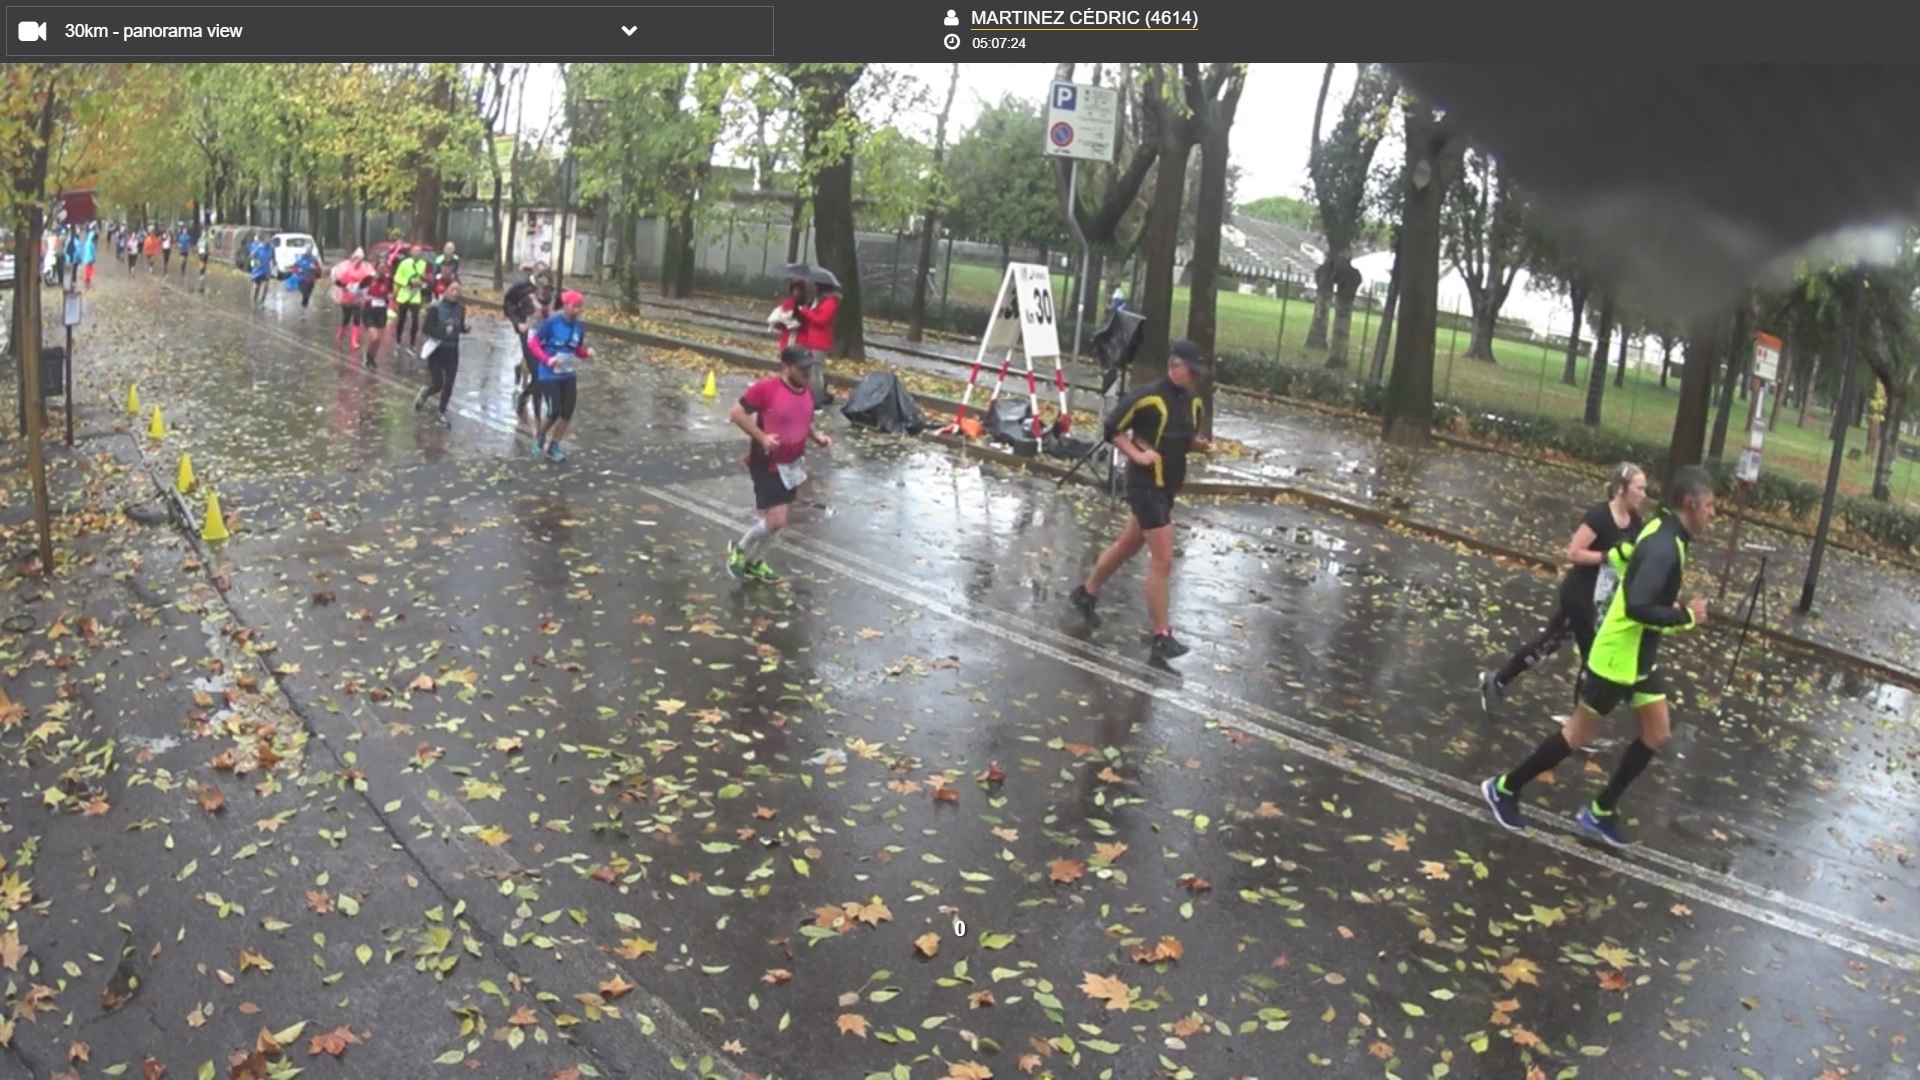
point(1353, 758)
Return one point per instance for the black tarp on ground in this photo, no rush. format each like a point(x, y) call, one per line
point(881, 402)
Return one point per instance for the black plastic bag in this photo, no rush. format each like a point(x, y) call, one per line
point(882, 403)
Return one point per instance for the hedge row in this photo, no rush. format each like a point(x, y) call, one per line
point(1773, 494)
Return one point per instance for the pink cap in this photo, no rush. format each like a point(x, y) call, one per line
point(569, 298)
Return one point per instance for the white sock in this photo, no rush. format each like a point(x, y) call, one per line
point(754, 539)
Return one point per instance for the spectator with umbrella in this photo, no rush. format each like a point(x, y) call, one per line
point(816, 322)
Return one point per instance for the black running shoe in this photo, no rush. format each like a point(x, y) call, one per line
point(1085, 603)
point(1505, 807)
point(1168, 647)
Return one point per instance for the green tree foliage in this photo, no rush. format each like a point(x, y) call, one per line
point(1283, 210)
point(1003, 186)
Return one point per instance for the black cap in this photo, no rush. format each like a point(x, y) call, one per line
point(1189, 354)
point(799, 357)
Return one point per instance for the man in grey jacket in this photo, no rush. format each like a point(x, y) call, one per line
point(446, 321)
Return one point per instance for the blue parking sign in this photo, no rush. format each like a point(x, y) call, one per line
point(1063, 96)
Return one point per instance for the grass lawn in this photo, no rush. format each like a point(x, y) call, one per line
point(1525, 380)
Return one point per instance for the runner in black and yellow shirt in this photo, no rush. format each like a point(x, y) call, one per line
point(1623, 668)
point(1154, 426)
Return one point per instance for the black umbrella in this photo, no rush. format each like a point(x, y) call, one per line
point(819, 275)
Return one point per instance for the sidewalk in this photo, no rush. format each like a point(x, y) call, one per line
point(1864, 606)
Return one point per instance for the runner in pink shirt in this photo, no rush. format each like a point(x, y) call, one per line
point(777, 414)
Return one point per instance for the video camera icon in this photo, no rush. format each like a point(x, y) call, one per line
point(31, 30)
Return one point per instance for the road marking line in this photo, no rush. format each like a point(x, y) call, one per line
point(1354, 758)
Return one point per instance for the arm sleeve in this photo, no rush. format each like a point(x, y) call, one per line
point(820, 316)
point(1653, 564)
point(755, 399)
point(1120, 420)
point(536, 342)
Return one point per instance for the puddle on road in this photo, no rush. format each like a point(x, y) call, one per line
point(153, 745)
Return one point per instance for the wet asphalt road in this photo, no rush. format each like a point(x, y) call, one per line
point(534, 683)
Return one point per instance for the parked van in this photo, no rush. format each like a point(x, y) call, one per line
point(287, 249)
point(229, 244)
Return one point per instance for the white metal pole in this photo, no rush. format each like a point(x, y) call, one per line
point(1073, 222)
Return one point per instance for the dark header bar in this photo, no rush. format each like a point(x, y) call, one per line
point(801, 31)
point(389, 32)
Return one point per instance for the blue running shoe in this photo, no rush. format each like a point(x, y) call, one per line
point(1605, 829)
point(1505, 807)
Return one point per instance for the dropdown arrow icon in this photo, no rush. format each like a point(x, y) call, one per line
point(629, 30)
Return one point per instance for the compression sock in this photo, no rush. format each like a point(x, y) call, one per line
point(754, 539)
point(1551, 752)
point(1632, 764)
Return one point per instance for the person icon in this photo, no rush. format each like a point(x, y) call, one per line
point(953, 17)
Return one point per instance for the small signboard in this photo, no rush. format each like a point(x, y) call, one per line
point(1081, 121)
point(1025, 313)
point(1766, 357)
point(1747, 470)
point(70, 313)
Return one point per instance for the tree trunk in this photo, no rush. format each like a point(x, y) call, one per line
point(1578, 296)
point(1741, 323)
point(1480, 345)
point(1323, 278)
point(1163, 243)
point(626, 264)
point(930, 217)
point(1093, 301)
point(1203, 267)
point(1666, 360)
point(823, 102)
point(1620, 368)
point(685, 258)
point(1213, 126)
point(796, 226)
point(1379, 365)
point(1597, 370)
point(1704, 343)
point(1806, 392)
point(1888, 447)
point(426, 183)
point(1346, 284)
point(1408, 403)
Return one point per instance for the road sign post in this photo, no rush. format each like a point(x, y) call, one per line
point(1082, 122)
point(1746, 471)
point(70, 316)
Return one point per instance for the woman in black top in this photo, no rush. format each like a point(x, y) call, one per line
point(1604, 525)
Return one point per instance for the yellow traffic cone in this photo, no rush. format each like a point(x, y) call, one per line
point(183, 481)
point(710, 390)
point(133, 401)
point(156, 428)
point(215, 527)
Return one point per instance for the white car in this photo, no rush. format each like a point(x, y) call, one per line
point(287, 249)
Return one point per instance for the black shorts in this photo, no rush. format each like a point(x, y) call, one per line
point(373, 318)
point(561, 395)
point(769, 490)
point(1604, 695)
point(1152, 507)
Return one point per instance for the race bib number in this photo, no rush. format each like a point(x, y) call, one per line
point(792, 473)
point(562, 363)
point(377, 303)
point(1603, 586)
